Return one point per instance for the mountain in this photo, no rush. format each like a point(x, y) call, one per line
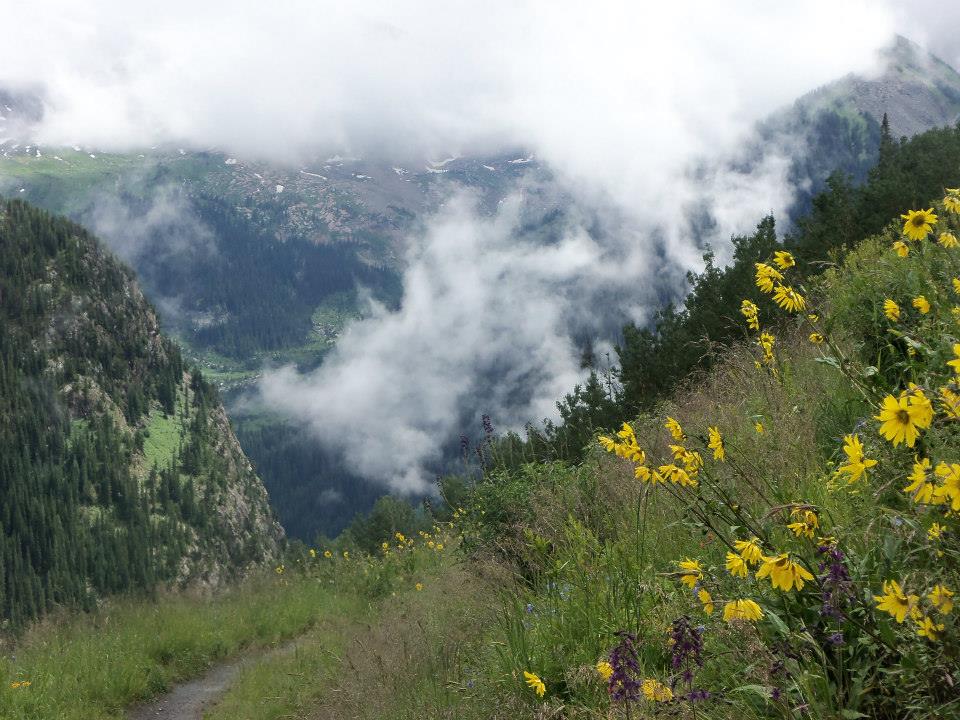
point(837, 128)
point(118, 467)
point(914, 89)
point(253, 263)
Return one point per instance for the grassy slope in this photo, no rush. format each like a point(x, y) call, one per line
point(92, 667)
point(410, 660)
point(163, 438)
point(596, 551)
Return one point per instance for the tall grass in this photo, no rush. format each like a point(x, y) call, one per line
point(92, 667)
point(596, 551)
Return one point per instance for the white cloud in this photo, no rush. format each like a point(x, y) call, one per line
point(619, 99)
point(480, 304)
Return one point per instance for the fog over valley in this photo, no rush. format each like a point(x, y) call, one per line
point(531, 180)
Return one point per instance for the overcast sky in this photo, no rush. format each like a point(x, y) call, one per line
point(617, 97)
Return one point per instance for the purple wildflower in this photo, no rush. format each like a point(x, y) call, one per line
point(837, 585)
point(624, 682)
point(686, 656)
point(487, 424)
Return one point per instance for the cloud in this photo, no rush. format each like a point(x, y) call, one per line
point(931, 23)
point(429, 76)
point(637, 109)
point(162, 224)
point(483, 311)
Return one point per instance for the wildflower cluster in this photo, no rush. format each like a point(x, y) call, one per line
point(841, 573)
point(798, 560)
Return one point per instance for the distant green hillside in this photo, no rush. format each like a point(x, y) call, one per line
point(118, 467)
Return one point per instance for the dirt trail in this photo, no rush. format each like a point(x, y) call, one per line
point(190, 699)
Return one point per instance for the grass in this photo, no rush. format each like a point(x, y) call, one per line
point(162, 441)
point(92, 667)
point(411, 655)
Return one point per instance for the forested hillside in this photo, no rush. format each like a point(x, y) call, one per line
point(118, 467)
point(682, 341)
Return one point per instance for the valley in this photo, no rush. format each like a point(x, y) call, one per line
point(424, 362)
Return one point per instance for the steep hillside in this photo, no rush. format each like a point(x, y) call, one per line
point(914, 89)
point(837, 128)
point(118, 467)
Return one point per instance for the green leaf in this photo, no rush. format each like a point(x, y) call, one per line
point(829, 360)
point(777, 622)
point(852, 714)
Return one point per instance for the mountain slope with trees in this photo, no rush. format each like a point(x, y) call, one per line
point(118, 467)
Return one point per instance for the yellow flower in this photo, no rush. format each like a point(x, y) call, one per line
point(783, 259)
point(894, 601)
point(656, 691)
point(935, 531)
point(20, 684)
point(891, 310)
point(918, 223)
point(716, 444)
point(749, 550)
point(955, 363)
point(956, 285)
point(766, 341)
point(901, 248)
point(439, 547)
point(749, 311)
point(758, 426)
point(418, 587)
point(928, 628)
point(789, 299)
point(744, 609)
point(605, 669)
point(806, 522)
point(346, 554)
point(950, 488)
point(941, 598)
point(677, 475)
point(816, 338)
point(857, 463)
point(950, 403)
point(692, 572)
point(535, 683)
point(948, 240)
point(922, 304)
point(766, 276)
point(645, 474)
point(327, 554)
point(626, 447)
point(784, 574)
point(901, 418)
point(676, 432)
point(952, 203)
point(736, 565)
point(704, 597)
point(813, 317)
point(692, 460)
point(920, 487)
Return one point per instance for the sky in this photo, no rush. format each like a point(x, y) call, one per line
point(619, 99)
